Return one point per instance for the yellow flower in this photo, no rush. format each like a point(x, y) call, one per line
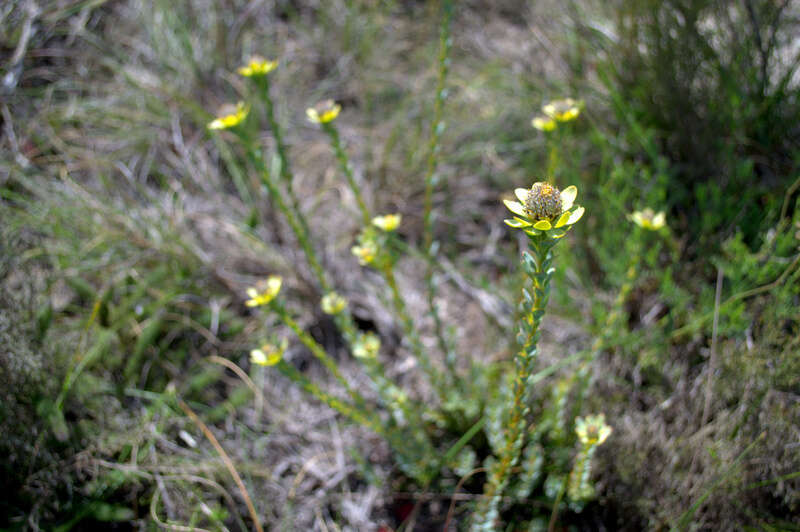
point(269, 354)
point(562, 110)
point(332, 303)
point(389, 222)
point(649, 219)
point(324, 112)
point(264, 292)
point(592, 430)
point(365, 251)
point(257, 66)
point(367, 346)
point(543, 209)
point(230, 116)
point(544, 123)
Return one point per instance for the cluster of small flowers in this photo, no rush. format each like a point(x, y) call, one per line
point(370, 242)
point(557, 111)
point(230, 116)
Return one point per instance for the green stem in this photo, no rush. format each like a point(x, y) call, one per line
point(283, 152)
point(437, 128)
point(337, 404)
point(408, 327)
point(552, 159)
point(291, 217)
point(408, 438)
point(316, 350)
point(537, 266)
point(347, 169)
point(386, 389)
point(578, 487)
point(609, 327)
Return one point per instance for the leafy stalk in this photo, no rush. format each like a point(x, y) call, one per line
point(283, 154)
point(537, 267)
point(344, 408)
point(318, 352)
point(411, 332)
point(292, 218)
point(437, 128)
point(347, 169)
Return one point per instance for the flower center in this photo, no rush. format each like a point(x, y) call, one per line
point(543, 202)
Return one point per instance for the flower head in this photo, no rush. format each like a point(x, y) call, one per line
point(543, 209)
point(365, 252)
point(257, 66)
point(593, 430)
point(543, 202)
point(388, 222)
point(367, 346)
point(648, 219)
point(332, 303)
point(264, 291)
point(269, 354)
point(324, 112)
point(230, 116)
point(562, 110)
point(544, 123)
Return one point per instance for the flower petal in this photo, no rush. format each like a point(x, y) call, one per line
point(516, 223)
point(542, 225)
point(568, 196)
point(257, 356)
point(516, 208)
point(544, 123)
point(531, 231)
point(576, 215)
point(562, 219)
point(521, 194)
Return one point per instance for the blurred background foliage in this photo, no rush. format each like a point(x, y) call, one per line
point(126, 244)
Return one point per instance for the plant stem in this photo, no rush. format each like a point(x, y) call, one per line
point(601, 341)
point(437, 128)
point(318, 352)
point(386, 389)
point(344, 164)
point(291, 217)
point(283, 154)
point(408, 327)
point(537, 266)
point(346, 409)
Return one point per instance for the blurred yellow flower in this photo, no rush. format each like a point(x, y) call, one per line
point(324, 112)
point(264, 292)
point(543, 209)
point(562, 110)
point(269, 354)
point(544, 123)
point(592, 430)
point(367, 346)
point(649, 219)
point(257, 66)
point(230, 116)
point(365, 252)
point(332, 303)
point(388, 222)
